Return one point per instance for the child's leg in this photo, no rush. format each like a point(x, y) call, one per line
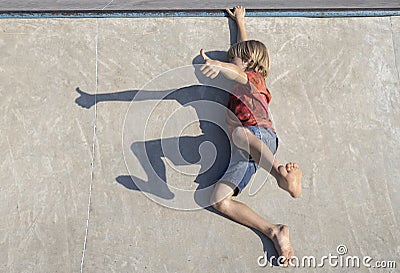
point(222, 201)
point(288, 177)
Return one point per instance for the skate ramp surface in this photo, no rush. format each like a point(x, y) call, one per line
point(86, 104)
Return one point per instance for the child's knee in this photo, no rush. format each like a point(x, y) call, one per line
point(222, 195)
point(239, 137)
point(222, 205)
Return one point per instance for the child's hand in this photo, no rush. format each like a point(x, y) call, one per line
point(210, 68)
point(237, 14)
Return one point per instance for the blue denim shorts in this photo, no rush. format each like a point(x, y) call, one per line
point(242, 167)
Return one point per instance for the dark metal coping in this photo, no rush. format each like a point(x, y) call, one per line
point(337, 12)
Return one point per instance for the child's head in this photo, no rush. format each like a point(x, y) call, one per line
point(253, 53)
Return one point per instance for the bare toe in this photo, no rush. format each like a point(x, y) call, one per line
point(291, 181)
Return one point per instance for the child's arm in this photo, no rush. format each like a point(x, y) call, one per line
point(238, 16)
point(211, 69)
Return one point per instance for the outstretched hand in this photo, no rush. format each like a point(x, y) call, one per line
point(238, 13)
point(210, 68)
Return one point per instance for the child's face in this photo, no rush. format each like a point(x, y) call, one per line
point(239, 62)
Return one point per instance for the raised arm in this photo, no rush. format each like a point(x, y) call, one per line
point(238, 16)
point(211, 69)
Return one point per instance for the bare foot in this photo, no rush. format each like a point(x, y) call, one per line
point(291, 179)
point(281, 241)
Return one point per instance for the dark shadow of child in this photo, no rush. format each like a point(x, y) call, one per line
point(188, 146)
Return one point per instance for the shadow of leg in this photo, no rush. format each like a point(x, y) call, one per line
point(158, 188)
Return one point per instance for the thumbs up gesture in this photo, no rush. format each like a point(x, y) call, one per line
point(210, 68)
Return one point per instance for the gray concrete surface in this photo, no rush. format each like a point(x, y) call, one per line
point(335, 87)
point(173, 4)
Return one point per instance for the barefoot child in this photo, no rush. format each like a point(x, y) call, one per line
point(254, 134)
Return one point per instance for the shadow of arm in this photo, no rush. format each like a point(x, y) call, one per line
point(87, 100)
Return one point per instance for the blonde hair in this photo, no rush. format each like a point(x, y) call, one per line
point(255, 53)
